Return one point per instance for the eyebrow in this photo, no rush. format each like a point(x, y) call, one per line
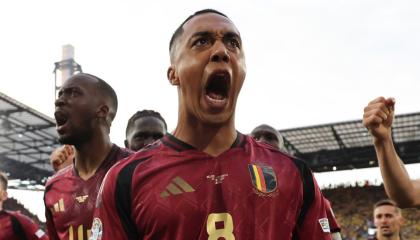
point(232, 35)
point(229, 34)
point(202, 34)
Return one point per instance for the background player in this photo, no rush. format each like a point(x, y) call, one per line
point(143, 128)
point(85, 108)
point(14, 225)
point(388, 220)
point(208, 181)
point(377, 118)
point(269, 135)
point(61, 157)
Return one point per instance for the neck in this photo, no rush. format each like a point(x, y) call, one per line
point(211, 139)
point(90, 155)
point(1, 206)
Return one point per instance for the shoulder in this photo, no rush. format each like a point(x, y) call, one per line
point(122, 152)
point(21, 217)
point(266, 150)
point(129, 163)
point(61, 174)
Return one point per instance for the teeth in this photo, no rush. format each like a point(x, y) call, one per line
point(215, 96)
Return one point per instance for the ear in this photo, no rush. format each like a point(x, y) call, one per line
point(102, 111)
point(401, 220)
point(172, 76)
point(126, 143)
point(3, 196)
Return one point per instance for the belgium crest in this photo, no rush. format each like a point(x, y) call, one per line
point(263, 178)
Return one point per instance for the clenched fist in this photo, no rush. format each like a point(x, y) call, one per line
point(378, 117)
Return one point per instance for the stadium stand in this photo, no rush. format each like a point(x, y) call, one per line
point(353, 208)
point(347, 145)
point(27, 138)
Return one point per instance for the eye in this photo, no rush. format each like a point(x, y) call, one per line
point(74, 92)
point(201, 42)
point(233, 43)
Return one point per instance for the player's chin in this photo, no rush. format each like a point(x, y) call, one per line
point(217, 119)
point(65, 139)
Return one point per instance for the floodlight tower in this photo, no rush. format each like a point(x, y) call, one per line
point(66, 68)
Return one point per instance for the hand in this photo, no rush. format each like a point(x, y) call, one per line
point(68, 151)
point(378, 117)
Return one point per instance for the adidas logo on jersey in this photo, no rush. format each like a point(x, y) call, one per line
point(58, 206)
point(176, 187)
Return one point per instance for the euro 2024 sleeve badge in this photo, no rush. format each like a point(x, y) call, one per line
point(96, 231)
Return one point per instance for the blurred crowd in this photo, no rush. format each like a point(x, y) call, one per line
point(353, 208)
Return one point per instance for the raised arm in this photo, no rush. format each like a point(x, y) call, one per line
point(377, 118)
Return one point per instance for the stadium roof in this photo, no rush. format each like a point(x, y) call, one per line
point(27, 138)
point(348, 145)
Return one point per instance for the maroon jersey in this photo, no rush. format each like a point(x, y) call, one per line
point(334, 226)
point(16, 226)
point(172, 191)
point(70, 200)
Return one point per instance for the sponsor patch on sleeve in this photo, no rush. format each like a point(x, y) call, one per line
point(324, 225)
point(96, 231)
point(39, 233)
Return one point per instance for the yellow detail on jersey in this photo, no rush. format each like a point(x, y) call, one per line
point(59, 206)
point(257, 178)
point(82, 199)
point(176, 187)
point(183, 184)
point(71, 237)
point(226, 232)
point(164, 194)
point(173, 189)
point(80, 233)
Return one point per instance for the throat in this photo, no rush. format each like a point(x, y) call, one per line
point(209, 139)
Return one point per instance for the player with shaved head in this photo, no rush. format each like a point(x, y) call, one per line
point(84, 111)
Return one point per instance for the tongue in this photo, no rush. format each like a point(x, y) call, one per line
point(215, 96)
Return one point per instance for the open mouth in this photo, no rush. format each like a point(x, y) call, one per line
point(218, 86)
point(60, 118)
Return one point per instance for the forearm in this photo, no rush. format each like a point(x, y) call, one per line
point(396, 179)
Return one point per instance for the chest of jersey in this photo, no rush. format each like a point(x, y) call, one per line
point(195, 196)
point(71, 202)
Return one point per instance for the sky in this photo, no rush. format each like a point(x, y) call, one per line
point(308, 62)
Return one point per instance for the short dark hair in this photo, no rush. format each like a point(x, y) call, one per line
point(3, 180)
point(178, 32)
point(144, 113)
point(107, 91)
point(387, 202)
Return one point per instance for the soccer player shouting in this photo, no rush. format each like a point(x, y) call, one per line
point(207, 180)
point(84, 111)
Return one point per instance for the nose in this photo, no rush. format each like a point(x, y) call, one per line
point(220, 53)
point(59, 102)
